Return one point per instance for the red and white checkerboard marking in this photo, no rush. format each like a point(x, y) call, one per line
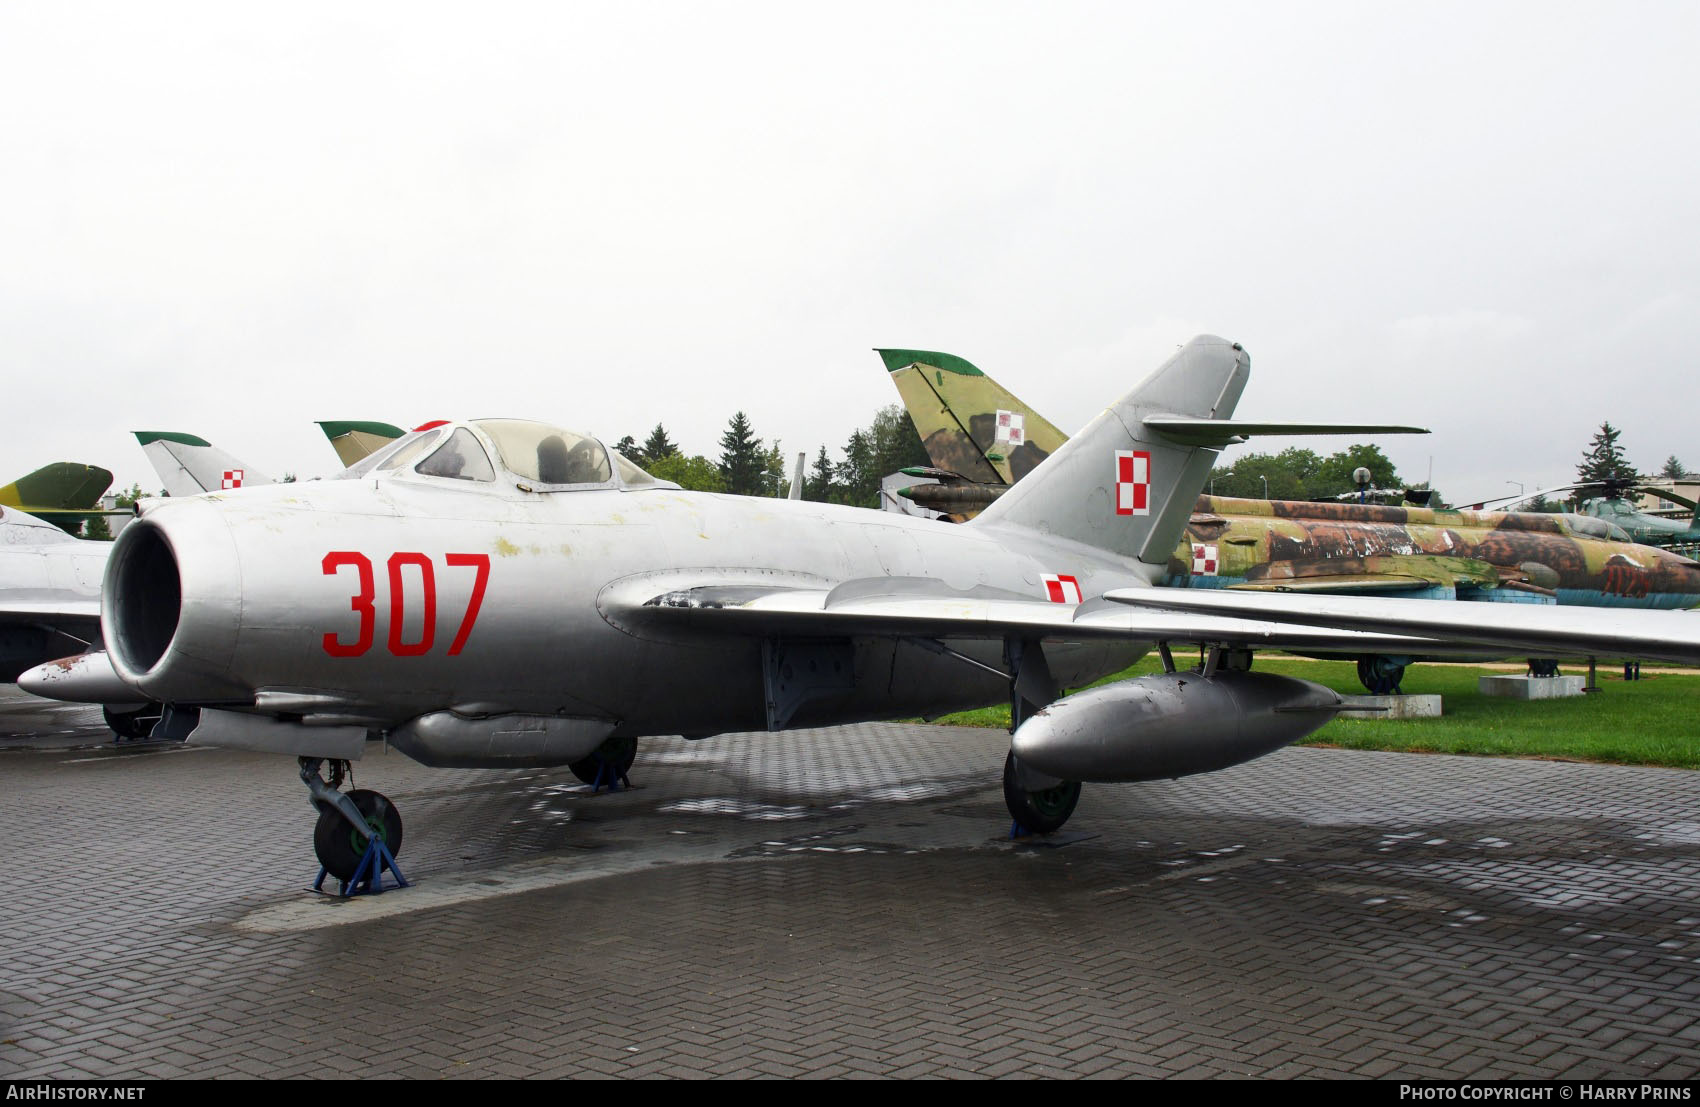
point(1061, 589)
point(1204, 562)
point(232, 479)
point(1133, 482)
point(1012, 428)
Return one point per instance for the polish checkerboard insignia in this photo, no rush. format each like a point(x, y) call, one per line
point(1133, 482)
point(232, 479)
point(1061, 589)
point(1204, 561)
point(1012, 428)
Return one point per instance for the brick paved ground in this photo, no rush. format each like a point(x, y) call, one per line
point(841, 903)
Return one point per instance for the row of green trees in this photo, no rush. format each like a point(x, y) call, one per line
point(747, 467)
point(1297, 474)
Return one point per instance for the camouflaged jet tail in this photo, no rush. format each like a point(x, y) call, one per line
point(970, 424)
point(357, 439)
point(188, 465)
point(64, 486)
point(1122, 484)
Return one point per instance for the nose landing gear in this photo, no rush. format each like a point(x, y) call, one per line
point(358, 833)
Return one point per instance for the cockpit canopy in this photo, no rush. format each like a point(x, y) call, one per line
point(1593, 527)
point(535, 457)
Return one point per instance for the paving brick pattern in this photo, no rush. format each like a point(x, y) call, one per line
point(843, 903)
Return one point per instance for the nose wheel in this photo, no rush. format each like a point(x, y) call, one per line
point(358, 833)
point(341, 847)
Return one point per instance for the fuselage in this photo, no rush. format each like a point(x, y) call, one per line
point(386, 598)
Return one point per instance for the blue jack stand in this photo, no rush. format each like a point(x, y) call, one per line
point(1016, 830)
point(606, 771)
point(368, 878)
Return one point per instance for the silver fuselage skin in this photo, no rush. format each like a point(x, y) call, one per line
point(49, 591)
point(276, 608)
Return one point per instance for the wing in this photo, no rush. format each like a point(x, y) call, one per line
point(915, 607)
point(925, 608)
point(1543, 630)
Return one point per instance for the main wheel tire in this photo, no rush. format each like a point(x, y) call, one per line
point(1040, 812)
point(1543, 667)
point(1380, 676)
point(612, 759)
point(136, 724)
point(340, 847)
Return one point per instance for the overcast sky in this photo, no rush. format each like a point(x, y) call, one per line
point(236, 219)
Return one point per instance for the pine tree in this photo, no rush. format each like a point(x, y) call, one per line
point(819, 487)
point(858, 483)
point(742, 463)
point(1673, 469)
point(774, 480)
point(628, 448)
point(1603, 460)
point(658, 445)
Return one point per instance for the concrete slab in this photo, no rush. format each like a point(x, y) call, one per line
point(1531, 688)
point(1392, 707)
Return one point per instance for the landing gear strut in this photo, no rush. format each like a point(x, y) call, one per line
point(358, 832)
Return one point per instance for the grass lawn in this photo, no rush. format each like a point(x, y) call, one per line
point(1652, 721)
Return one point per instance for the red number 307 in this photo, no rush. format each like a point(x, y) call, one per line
point(361, 602)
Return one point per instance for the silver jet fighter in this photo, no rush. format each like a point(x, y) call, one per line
point(506, 593)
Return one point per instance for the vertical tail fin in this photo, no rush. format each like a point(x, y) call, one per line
point(969, 423)
point(1123, 484)
point(796, 492)
point(188, 465)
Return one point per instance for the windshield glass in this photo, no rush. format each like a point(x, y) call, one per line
point(409, 450)
point(630, 473)
point(460, 458)
point(546, 454)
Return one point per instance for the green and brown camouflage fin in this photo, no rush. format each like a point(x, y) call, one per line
point(968, 422)
point(354, 440)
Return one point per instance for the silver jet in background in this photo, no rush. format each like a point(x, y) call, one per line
point(503, 593)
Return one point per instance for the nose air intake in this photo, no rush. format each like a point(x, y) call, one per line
point(144, 594)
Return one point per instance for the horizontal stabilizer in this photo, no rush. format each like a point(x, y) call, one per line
point(1227, 432)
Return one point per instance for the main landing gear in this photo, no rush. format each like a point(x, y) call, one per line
point(358, 833)
point(1381, 675)
point(1039, 804)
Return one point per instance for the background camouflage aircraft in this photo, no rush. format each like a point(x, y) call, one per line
point(1280, 545)
point(64, 493)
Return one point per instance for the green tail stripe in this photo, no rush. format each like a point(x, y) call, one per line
point(950, 363)
point(144, 437)
point(336, 428)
